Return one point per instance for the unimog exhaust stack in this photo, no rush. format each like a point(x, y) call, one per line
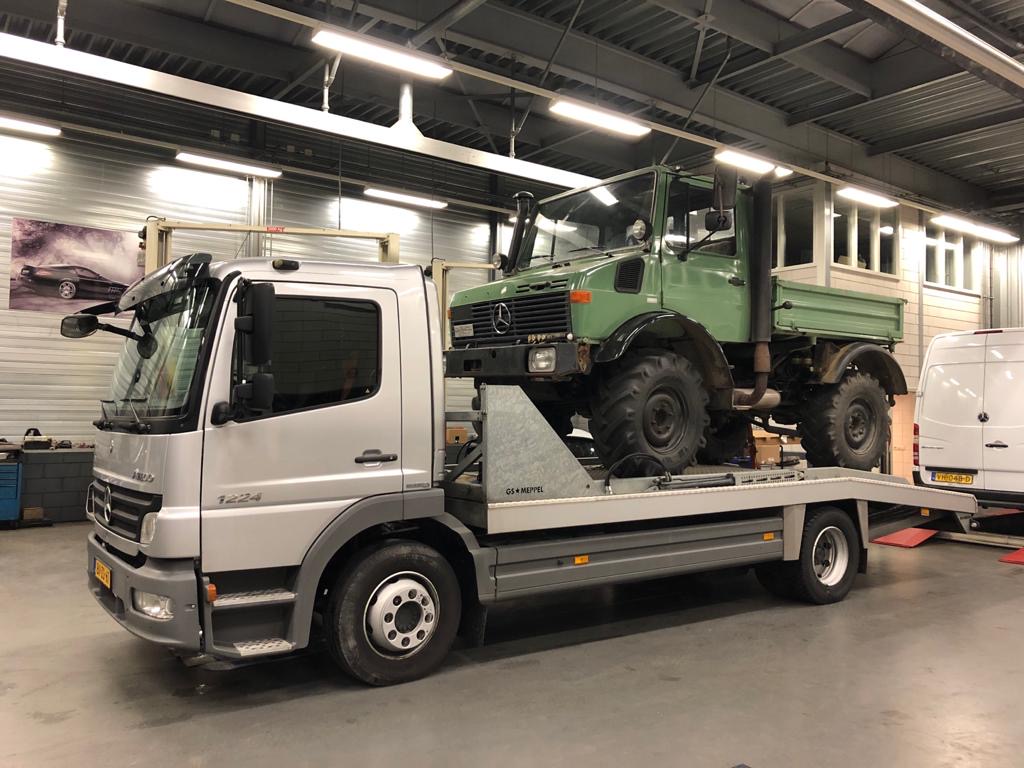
point(760, 296)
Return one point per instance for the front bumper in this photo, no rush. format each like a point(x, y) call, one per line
point(174, 578)
point(511, 362)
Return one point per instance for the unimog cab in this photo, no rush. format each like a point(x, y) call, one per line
point(646, 304)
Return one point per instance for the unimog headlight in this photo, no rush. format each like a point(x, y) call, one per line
point(541, 360)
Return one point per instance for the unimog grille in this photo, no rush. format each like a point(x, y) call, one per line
point(516, 320)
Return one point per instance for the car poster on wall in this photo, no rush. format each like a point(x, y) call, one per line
point(66, 267)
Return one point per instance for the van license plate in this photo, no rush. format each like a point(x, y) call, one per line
point(954, 478)
point(102, 571)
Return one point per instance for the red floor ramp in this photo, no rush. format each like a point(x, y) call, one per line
point(1015, 558)
point(908, 538)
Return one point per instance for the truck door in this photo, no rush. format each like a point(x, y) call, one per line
point(708, 284)
point(1004, 430)
point(950, 411)
point(271, 483)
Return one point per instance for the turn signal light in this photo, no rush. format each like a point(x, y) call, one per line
point(580, 297)
point(211, 593)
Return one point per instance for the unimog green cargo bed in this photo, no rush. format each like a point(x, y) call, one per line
point(811, 310)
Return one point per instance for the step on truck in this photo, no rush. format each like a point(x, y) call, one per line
point(647, 304)
point(270, 473)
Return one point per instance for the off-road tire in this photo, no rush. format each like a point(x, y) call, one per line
point(651, 402)
point(345, 621)
point(846, 424)
point(725, 438)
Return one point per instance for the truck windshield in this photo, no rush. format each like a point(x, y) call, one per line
point(158, 386)
point(595, 220)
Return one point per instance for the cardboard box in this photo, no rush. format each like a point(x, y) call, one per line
point(456, 435)
point(32, 513)
point(767, 449)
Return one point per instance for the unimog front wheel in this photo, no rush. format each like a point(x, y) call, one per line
point(650, 402)
point(846, 424)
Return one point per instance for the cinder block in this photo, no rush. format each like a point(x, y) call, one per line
point(54, 469)
point(46, 485)
point(32, 471)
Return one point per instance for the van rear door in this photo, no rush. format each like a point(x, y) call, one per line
point(951, 402)
point(1004, 405)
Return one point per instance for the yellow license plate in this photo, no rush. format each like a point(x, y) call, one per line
point(102, 572)
point(955, 478)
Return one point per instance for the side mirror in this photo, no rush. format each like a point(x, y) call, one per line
point(255, 321)
point(723, 194)
point(79, 326)
point(257, 394)
point(717, 221)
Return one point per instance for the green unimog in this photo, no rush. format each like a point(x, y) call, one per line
point(647, 304)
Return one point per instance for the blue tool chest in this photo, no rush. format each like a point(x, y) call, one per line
point(10, 491)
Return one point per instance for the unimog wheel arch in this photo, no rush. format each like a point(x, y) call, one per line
point(690, 338)
point(833, 361)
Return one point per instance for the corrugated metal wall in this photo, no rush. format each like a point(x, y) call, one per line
point(55, 384)
point(1008, 287)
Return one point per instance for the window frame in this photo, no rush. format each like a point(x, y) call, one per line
point(237, 363)
point(706, 249)
point(962, 259)
point(874, 237)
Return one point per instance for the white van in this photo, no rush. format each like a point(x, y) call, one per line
point(969, 419)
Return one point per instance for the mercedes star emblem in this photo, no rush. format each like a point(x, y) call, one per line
point(501, 319)
point(106, 504)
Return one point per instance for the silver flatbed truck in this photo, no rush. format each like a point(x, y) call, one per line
point(270, 469)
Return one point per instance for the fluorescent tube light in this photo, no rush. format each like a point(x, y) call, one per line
point(886, 230)
point(868, 198)
point(977, 230)
point(606, 197)
point(228, 165)
point(744, 162)
point(24, 126)
point(599, 118)
point(781, 173)
point(398, 197)
point(361, 47)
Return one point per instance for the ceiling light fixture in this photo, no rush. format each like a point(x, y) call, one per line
point(781, 173)
point(867, 198)
point(886, 230)
point(398, 197)
point(602, 194)
point(599, 118)
point(228, 165)
point(361, 47)
point(743, 161)
point(977, 230)
point(24, 126)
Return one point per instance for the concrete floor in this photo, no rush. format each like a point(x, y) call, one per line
point(920, 666)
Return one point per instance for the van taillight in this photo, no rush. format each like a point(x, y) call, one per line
point(917, 446)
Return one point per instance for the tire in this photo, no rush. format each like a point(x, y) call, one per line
point(651, 402)
point(725, 438)
point(67, 289)
point(829, 559)
point(846, 424)
point(429, 603)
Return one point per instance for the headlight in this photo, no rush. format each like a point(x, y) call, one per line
point(155, 606)
point(148, 530)
point(541, 360)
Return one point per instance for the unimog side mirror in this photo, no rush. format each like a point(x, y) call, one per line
point(723, 193)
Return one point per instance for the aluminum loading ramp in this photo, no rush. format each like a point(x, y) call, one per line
point(520, 477)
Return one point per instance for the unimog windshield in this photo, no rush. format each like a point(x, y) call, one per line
point(599, 219)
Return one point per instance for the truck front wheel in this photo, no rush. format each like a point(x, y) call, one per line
point(846, 424)
point(393, 613)
point(651, 402)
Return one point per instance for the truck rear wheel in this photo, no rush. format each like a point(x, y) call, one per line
point(651, 402)
point(393, 613)
point(829, 559)
point(846, 424)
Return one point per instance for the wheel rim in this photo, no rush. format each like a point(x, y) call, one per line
point(664, 416)
point(859, 426)
point(66, 290)
point(831, 556)
point(400, 617)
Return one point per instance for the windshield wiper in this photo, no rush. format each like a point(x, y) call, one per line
point(595, 248)
point(139, 426)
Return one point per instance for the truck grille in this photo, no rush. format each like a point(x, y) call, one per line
point(126, 509)
point(526, 316)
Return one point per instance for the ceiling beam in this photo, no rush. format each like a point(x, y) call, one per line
point(795, 42)
point(442, 21)
point(762, 30)
point(945, 131)
point(934, 32)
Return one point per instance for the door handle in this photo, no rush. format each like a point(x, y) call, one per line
point(374, 456)
point(737, 281)
point(997, 444)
